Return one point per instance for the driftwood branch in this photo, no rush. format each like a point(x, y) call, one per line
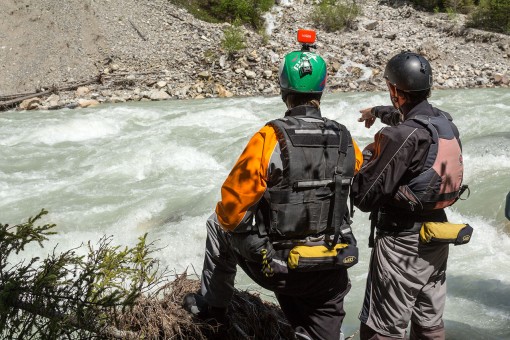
point(18, 98)
point(13, 96)
point(175, 16)
point(144, 38)
point(10, 103)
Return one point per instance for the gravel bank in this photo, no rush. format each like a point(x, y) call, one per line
point(153, 50)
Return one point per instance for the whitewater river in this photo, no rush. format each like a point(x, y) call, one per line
point(157, 167)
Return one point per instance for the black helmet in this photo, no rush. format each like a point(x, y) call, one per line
point(409, 72)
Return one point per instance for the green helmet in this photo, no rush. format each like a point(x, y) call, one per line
point(302, 72)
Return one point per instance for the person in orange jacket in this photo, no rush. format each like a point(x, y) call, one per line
point(283, 210)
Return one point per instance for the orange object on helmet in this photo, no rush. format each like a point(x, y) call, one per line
point(306, 36)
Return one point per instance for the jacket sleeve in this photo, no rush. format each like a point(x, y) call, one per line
point(246, 182)
point(397, 155)
point(387, 114)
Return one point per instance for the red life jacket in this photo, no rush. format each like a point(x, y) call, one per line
point(439, 184)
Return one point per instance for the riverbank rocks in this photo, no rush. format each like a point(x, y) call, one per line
point(158, 95)
point(184, 58)
point(30, 104)
point(82, 91)
point(52, 101)
point(500, 78)
point(222, 92)
point(250, 74)
point(87, 102)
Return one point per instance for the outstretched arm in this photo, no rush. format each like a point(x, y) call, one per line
point(387, 114)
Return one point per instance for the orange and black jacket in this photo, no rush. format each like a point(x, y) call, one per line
point(259, 165)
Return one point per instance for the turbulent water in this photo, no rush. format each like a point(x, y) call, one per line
point(157, 167)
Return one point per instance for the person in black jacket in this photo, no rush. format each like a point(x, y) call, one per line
point(411, 172)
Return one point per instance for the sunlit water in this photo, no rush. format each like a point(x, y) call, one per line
point(157, 167)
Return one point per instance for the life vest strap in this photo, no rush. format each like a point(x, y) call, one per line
point(312, 184)
point(395, 222)
point(342, 177)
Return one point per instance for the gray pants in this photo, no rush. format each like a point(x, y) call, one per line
point(406, 282)
point(311, 301)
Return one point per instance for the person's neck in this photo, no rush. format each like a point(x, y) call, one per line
point(408, 107)
point(304, 110)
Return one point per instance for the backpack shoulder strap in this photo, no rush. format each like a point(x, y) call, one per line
point(344, 171)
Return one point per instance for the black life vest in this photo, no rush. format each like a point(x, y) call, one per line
point(310, 197)
point(439, 184)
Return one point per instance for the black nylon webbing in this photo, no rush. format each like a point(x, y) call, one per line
point(341, 193)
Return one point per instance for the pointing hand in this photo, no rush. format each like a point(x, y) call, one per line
point(367, 117)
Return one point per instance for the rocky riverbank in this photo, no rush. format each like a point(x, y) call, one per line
point(152, 50)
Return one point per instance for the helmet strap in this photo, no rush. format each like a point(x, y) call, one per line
point(394, 101)
point(394, 96)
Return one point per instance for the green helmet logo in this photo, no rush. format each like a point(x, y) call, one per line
point(302, 72)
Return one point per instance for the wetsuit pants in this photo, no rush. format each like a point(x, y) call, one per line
point(312, 302)
point(406, 282)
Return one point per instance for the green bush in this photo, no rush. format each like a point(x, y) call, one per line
point(233, 39)
point(198, 8)
point(458, 6)
point(431, 5)
point(334, 15)
point(246, 11)
point(449, 6)
point(492, 15)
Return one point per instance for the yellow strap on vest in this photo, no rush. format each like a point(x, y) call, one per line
point(441, 231)
point(311, 252)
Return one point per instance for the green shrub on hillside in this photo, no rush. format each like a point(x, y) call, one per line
point(459, 6)
point(334, 15)
point(431, 5)
point(233, 39)
point(247, 11)
point(448, 6)
point(492, 15)
point(198, 8)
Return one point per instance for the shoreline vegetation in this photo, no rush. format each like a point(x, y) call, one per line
point(102, 291)
point(82, 54)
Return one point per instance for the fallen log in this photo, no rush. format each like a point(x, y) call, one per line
point(18, 98)
point(10, 103)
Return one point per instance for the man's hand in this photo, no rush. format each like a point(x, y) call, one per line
point(367, 117)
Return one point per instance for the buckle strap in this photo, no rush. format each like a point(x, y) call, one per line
point(320, 240)
point(415, 228)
